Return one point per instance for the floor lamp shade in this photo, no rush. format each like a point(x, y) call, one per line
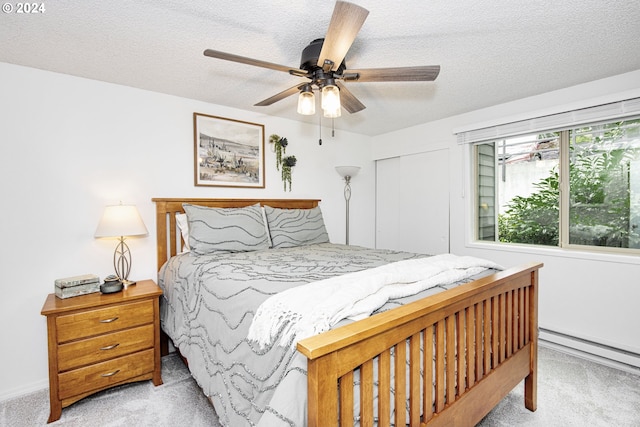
point(121, 221)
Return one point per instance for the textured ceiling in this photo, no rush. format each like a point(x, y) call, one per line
point(490, 51)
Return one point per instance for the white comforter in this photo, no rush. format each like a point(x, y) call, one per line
point(208, 306)
point(316, 307)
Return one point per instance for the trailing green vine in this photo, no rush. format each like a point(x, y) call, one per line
point(280, 145)
point(283, 163)
point(287, 163)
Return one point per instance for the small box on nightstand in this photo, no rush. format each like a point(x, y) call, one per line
point(77, 285)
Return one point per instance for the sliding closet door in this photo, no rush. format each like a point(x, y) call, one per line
point(412, 203)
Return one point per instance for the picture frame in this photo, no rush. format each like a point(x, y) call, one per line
point(227, 152)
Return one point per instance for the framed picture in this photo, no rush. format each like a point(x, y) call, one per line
point(227, 152)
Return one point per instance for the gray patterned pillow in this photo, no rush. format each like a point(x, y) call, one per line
point(295, 227)
point(225, 229)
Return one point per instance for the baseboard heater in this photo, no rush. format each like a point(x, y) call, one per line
point(625, 360)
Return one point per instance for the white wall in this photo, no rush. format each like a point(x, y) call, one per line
point(593, 297)
point(69, 146)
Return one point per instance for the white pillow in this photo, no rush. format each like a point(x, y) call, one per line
point(266, 227)
point(183, 226)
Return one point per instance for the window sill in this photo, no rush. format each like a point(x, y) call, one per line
point(557, 252)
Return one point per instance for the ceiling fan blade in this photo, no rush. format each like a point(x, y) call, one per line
point(249, 61)
point(279, 96)
point(346, 21)
point(395, 74)
point(348, 100)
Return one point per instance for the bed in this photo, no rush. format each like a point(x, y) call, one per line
point(447, 358)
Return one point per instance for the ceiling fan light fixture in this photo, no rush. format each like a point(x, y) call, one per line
point(330, 98)
point(333, 113)
point(306, 101)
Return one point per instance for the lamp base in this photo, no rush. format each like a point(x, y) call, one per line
point(128, 282)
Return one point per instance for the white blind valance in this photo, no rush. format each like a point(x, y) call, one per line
point(553, 122)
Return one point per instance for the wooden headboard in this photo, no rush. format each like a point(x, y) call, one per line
point(169, 242)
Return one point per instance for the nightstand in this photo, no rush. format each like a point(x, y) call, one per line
point(98, 341)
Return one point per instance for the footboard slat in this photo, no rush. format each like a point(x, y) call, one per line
point(400, 358)
point(440, 384)
point(346, 399)
point(521, 313)
point(486, 319)
point(450, 357)
point(495, 331)
point(509, 321)
point(427, 368)
point(479, 342)
point(384, 388)
point(502, 344)
point(461, 351)
point(366, 394)
point(414, 379)
point(461, 345)
point(471, 351)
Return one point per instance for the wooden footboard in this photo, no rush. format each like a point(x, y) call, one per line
point(452, 356)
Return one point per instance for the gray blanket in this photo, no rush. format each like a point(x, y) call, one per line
point(209, 303)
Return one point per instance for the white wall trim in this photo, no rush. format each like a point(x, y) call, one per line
point(622, 359)
point(24, 390)
point(552, 251)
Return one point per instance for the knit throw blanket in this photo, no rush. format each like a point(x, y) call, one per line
point(313, 308)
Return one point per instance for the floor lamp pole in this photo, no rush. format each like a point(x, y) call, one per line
point(347, 172)
point(347, 197)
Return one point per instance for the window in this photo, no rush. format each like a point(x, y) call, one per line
point(577, 187)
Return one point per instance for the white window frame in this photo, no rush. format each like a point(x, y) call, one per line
point(622, 110)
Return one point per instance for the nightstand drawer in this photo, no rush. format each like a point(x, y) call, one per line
point(103, 320)
point(104, 347)
point(105, 374)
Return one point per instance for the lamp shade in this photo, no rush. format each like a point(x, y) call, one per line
point(330, 98)
point(121, 220)
point(332, 114)
point(349, 171)
point(306, 102)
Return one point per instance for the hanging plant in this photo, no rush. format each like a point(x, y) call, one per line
point(287, 163)
point(280, 145)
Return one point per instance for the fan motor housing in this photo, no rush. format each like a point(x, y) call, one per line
point(310, 55)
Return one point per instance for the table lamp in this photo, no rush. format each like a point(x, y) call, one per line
point(121, 221)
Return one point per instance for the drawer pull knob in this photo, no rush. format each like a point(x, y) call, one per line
point(110, 374)
point(110, 347)
point(113, 319)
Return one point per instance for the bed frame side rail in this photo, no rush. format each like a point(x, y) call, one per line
point(452, 356)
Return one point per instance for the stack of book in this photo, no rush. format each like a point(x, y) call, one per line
point(77, 285)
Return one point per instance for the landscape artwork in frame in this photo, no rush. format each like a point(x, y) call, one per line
point(228, 153)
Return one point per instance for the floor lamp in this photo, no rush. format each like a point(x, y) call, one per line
point(347, 172)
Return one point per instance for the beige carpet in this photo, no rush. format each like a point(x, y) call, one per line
point(177, 402)
point(571, 392)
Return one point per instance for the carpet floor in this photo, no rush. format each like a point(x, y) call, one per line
point(571, 392)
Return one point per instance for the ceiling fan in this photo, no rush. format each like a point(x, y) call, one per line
point(322, 62)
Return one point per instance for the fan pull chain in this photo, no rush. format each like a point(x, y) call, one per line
point(320, 128)
point(333, 129)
